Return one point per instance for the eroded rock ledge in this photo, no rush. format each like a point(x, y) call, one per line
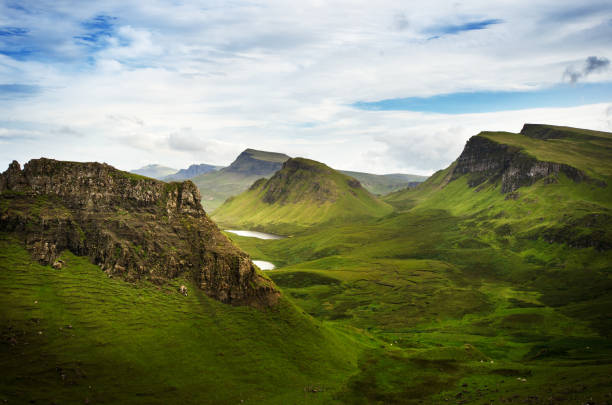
point(487, 160)
point(132, 226)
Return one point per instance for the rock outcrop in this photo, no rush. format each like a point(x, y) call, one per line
point(133, 227)
point(486, 160)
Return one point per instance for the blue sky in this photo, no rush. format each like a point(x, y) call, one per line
point(385, 87)
point(562, 95)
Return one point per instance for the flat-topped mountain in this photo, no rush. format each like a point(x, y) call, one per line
point(257, 162)
point(191, 172)
point(154, 171)
point(303, 193)
point(133, 227)
point(550, 182)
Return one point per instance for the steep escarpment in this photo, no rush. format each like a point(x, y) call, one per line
point(131, 226)
point(487, 160)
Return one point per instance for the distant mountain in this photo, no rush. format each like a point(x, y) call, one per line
point(191, 172)
point(303, 193)
point(257, 162)
point(249, 166)
point(154, 171)
point(385, 183)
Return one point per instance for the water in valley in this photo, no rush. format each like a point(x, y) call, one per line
point(262, 264)
point(255, 234)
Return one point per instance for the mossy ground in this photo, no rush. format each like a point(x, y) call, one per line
point(75, 335)
point(461, 295)
point(485, 298)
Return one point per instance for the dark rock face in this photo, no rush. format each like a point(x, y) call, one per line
point(486, 160)
point(131, 226)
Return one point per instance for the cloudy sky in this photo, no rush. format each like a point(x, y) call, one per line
point(381, 86)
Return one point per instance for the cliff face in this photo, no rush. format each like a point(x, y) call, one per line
point(485, 160)
point(131, 226)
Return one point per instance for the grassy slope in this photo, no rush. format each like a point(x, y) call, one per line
point(74, 334)
point(216, 187)
point(465, 266)
point(301, 207)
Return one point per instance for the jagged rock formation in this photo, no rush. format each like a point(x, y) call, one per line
point(131, 226)
point(487, 160)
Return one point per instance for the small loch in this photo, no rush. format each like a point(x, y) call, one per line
point(262, 264)
point(254, 234)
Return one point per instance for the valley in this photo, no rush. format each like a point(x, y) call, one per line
point(488, 283)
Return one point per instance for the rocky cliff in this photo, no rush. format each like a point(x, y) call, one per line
point(486, 160)
point(131, 226)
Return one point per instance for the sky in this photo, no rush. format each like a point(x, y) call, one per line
point(381, 87)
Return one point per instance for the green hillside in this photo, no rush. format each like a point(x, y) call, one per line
point(251, 165)
point(75, 336)
point(500, 252)
point(491, 282)
point(303, 193)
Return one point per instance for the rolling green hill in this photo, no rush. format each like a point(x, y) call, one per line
point(491, 282)
point(75, 336)
point(303, 193)
point(507, 251)
point(251, 165)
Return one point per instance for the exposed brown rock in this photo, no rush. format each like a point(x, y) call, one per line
point(131, 226)
point(486, 160)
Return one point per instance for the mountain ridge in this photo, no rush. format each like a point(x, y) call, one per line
point(191, 172)
point(95, 210)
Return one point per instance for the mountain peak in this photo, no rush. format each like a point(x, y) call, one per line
point(257, 162)
point(302, 193)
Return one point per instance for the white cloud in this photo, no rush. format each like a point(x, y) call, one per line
point(280, 75)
